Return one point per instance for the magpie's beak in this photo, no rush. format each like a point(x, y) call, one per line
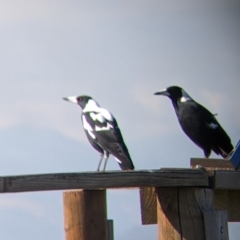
point(163, 92)
point(72, 99)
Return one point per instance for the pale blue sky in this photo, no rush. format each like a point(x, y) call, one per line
point(120, 53)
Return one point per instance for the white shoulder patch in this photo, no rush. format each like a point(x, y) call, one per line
point(185, 97)
point(88, 127)
point(212, 125)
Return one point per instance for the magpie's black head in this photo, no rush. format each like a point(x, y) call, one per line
point(175, 93)
point(82, 101)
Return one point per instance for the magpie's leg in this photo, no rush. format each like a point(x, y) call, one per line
point(100, 161)
point(106, 159)
point(207, 152)
point(230, 154)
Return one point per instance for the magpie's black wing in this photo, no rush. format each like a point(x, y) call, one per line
point(203, 128)
point(219, 140)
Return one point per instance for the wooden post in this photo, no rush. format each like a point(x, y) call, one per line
point(85, 215)
point(228, 200)
point(110, 232)
point(180, 212)
point(216, 225)
point(148, 205)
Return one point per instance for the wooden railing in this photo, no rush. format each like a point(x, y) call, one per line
point(189, 204)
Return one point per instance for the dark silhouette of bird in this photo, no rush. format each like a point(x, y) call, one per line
point(102, 132)
point(198, 123)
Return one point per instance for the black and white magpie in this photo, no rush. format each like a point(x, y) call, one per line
point(102, 132)
point(198, 123)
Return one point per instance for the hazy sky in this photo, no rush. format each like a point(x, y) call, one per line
point(120, 53)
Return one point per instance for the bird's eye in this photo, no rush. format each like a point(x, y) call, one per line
point(80, 99)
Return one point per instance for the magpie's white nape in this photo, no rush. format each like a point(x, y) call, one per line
point(199, 124)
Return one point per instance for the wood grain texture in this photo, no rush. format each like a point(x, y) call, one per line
point(216, 226)
point(228, 180)
point(148, 203)
point(179, 212)
point(85, 215)
point(212, 164)
point(223, 200)
point(228, 200)
point(104, 180)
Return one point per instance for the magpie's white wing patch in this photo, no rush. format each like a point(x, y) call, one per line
point(107, 128)
point(212, 125)
point(97, 117)
point(118, 160)
point(106, 114)
point(88, 127)
point(102, 115)
point(102, 120)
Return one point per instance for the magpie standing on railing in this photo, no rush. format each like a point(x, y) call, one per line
point(198, 123)
point(103, 132)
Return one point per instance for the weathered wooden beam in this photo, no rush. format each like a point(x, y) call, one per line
point(85, 215)
point(104, 180)
point(180, 212)
point(228, 180)
point(228, 200)
point(211, 164)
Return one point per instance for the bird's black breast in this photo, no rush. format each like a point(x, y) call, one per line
point(191, 116)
